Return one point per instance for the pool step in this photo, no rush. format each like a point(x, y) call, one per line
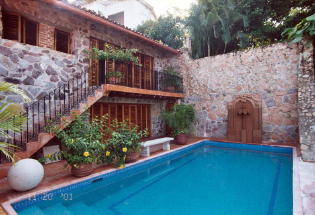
point(34, 210)
point(81, 208)
point(157, 175)
point(58, 209)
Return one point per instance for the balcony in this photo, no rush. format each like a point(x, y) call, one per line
point(138, 81)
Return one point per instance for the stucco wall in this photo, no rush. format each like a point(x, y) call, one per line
point(269, 74)
point(135, 13)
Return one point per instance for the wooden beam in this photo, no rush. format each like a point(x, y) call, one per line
point(117, 88)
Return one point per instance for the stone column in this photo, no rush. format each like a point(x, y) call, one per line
point(80, 43)
point(306, 103)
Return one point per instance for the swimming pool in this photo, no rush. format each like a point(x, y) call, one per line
point(205, 178)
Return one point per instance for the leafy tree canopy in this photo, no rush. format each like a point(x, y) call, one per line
point(167, 29)
point(220, 26)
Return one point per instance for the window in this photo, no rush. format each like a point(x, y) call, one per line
point(62, 41)
point(20, 29)
point(30, 32)
point(118, 17)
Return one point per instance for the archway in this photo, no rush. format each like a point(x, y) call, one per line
point(245, 120)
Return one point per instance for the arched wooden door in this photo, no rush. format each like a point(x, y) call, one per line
point(244, 120)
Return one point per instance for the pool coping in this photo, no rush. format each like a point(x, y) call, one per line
point(297, 199)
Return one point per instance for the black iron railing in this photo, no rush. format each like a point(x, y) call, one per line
point(48, 110)
point(169, 83)
point(140, 77)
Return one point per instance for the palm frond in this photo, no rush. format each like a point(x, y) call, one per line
point(7, 149)
point(8, 87)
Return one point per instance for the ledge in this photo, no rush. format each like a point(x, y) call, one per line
point(129, 90)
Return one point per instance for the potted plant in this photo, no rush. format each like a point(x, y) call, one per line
point(114, 77)
point(124, 144)
point(179, 119)
point(81, 145)
point(171, 79)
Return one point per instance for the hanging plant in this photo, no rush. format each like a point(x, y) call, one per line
point(116, 54)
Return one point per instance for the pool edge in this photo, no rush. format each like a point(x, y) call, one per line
point(297, 208)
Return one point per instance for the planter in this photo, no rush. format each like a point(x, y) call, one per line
point(170, 89)
point(82, 170)
point(116, 163)
point(132, 157)
point(114, 80)
point(181, 139)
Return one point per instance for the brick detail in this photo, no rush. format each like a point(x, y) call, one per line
point(1, 24)
point(46, 36)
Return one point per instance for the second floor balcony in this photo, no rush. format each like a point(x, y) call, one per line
point(122, 78)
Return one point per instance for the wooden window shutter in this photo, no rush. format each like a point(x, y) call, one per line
point(30, 32)
point(11, 26)
point(62, 40)
point(94, 65)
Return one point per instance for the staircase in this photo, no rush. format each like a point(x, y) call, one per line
point(59, 107)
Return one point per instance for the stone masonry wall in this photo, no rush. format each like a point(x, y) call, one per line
point(306, 101)
point(269, 74)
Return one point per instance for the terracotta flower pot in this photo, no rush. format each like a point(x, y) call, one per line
point(181, 139)
point(82, 170)
point(132, 157)
point(170, 89)
point(114, 80)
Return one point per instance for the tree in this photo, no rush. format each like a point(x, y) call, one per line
point(236, 24)
point(216, 27)
point(10, 118)
point(167, 29)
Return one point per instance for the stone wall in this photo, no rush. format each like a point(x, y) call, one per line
point(269, 74)
point(306, 101)
point(36, 70)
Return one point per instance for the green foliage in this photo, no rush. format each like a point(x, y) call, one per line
point(11, 118)
point(216, 27)
point(304, 29)
point(115, 74)
point(117, 54)
point(180, 118)
point(81, 142)
point(167, 29)
point(124, 138)
point(221, 26)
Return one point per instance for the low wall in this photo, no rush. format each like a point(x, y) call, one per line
point(268, 74)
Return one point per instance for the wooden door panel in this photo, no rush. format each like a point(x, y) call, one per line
point(244, 120)
point(136, 114)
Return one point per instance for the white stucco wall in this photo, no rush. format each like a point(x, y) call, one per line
point(135, 13)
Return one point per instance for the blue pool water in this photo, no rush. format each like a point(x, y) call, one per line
point(209, 178)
